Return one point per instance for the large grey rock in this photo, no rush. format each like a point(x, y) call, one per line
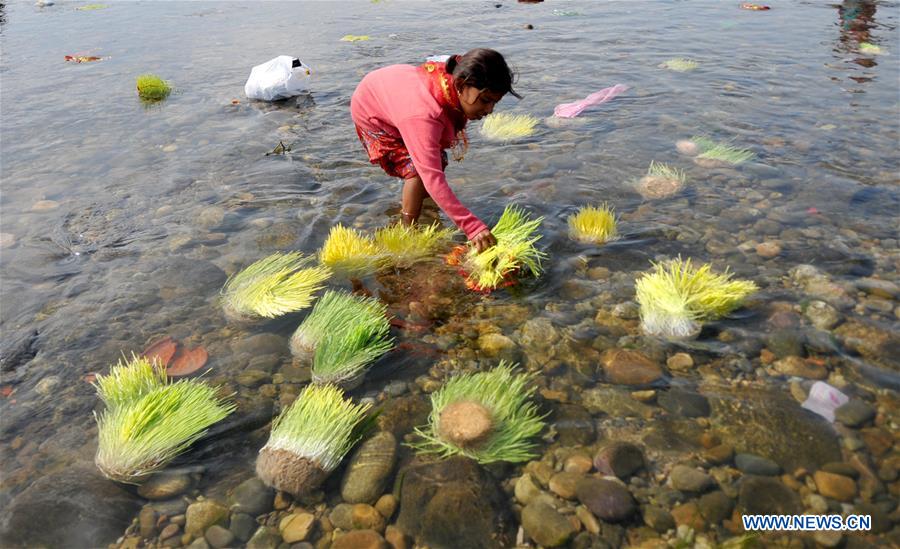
point(770, 424)
point(453, 503)
point(545, 525)
point(73, 508)
point(621, 459)
point(252, 497)
point(369, 469)
point(607, 500)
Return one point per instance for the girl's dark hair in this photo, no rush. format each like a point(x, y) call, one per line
point(482, 68)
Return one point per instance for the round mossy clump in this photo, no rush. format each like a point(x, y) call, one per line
point(152, 88)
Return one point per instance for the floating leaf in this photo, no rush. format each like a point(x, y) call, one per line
point(162, 351)
point(355, 38)
point(188, 362)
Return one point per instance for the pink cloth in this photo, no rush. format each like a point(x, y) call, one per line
point(395, 100)
point(571, 110)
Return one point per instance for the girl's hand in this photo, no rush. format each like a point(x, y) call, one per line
point(483, 240)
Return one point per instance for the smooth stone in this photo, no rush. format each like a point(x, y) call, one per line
point(606, 499)
point(688, 515)
point(767, 496)
point(688, 479)
point(537, 334)
point(546, 526)
point(252, 497)
point(715, 506)
point(369, 469)
point(147, 522)
point(841, 468)
point(835, 486)
point(828, 538)
point(574, 425)
point(264, 538)
point(620, 459)
point(218, 537)
point(880, 288)
point(680, 362)
point(436, 498)
point(578, 463)
point(629, 367)
point(719, 454)
point(342, 516)
point(785, 343)
point(164, 485)
point(496, 345)
point(588, 520)
point(386, 505)
point(252, 378)
point(171, 530)
point(365, 517)
point(881, 521)
point(242, 526)
point(210, 217)
point(659, 519)
point(395, 538)
point(614, 402)
point(768, 249)
point(684, 403)
point(855, 413)
point(822, 315)
point(199, 543)
point(297, 527)
point(756, 465)
point(84, 509)
point(565, 484)
point(798, 367)
point(203, 514)
point(526, 489)
point(360, 539)
point(44, 205)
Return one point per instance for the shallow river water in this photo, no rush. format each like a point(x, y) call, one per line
point(121, 221)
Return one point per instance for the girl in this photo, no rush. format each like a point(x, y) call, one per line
point(407, 116)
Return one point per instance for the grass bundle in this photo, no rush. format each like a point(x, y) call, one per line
point(349, 252)
point(148, 420)
point(870, 49)
point(333, 312)
point(506, 127)
point(721, 152)
point(486, 416)
point(348, 347)
point(593, 224)
point(404, 245)
point(309, 440)
point(675, 298)
point(514, 252)
point(152, 88)
point(273, 286)
point(661, 181)
point(680, 64)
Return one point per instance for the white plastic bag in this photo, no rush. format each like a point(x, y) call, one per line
point(279, 78)
point(824, 399)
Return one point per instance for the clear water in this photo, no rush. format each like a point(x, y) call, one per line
point(135, 248)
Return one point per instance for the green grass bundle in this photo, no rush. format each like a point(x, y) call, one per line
point(148, 421)
point(514, 252)
point(350, 252)
point(486, 416)
point(721, 152)
point(309, 440)
point(152, 88)
point(345, 351)
point(506, 127)
point(593, 224)
point(403, 245)
point(675, 298)
point(661, 181)
point(680, 64)
point(273, 286)
point(335, 312)
point(870, 49)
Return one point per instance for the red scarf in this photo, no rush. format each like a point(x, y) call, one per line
point(441, 86)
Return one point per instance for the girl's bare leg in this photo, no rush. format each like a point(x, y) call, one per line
point(413, 194)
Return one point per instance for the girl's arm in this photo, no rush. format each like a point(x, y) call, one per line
point(422, 137)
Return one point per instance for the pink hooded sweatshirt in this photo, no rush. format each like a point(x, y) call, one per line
point(396, 100)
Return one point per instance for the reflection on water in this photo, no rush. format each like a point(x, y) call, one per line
point(120, 223)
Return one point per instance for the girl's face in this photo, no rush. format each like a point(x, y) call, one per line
point(476, 104)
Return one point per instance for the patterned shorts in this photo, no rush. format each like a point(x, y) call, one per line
point(390, 153)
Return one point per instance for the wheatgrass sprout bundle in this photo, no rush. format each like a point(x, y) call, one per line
point(721, 152)
point(514, 252)
point(593, 224)
point(680, 64)
point(334, 313)
point(870, 49)
point(349, 252)
point(675, 298)
point(661, 181)
point(506, 127)
point(273, 286)
point(404, 245)
point(310, 439)
point(486, 416)
point(152, 88)
point(345, 352)
point(148, 420)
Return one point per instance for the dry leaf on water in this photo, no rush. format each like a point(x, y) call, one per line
point(162, 350)
point(187, 362)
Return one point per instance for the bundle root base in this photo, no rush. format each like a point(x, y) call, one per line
point(289, 472)
point(465, 424)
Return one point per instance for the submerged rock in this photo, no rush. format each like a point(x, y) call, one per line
point(621, 459)
point(767, 496)
point(454, 503)
point(545, 525)
point(369, 469)
point(629, 367)
point(606, 499)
